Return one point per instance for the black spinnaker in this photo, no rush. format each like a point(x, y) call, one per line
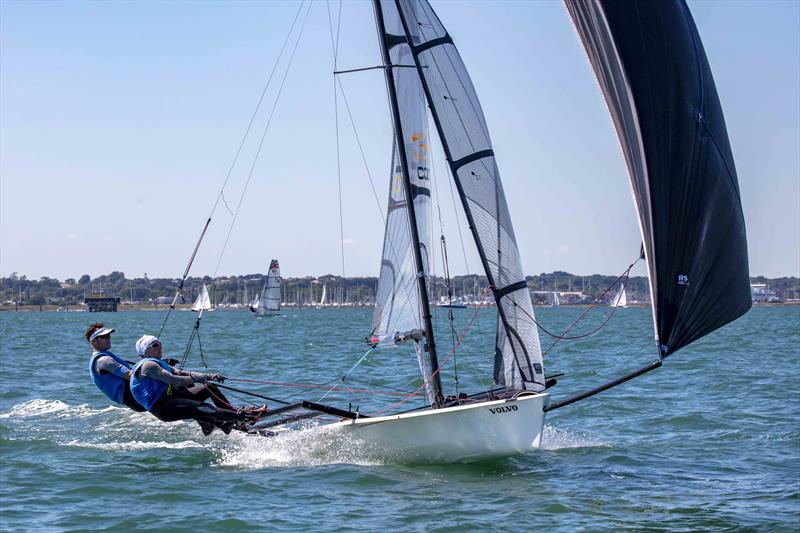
point(656, 80)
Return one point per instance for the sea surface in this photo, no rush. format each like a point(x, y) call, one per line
point(709, 442)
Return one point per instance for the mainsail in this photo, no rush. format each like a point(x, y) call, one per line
point(203, 302)
point(398, 306)
point(465, 139)
point(621, 298)
point(271, 294)
point(659, 89)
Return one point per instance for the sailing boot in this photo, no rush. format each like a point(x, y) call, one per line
point(206, 427)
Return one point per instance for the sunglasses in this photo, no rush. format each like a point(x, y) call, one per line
point(155, 345)
point(106, 336)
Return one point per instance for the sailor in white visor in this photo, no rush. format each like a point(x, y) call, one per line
point(109, 372)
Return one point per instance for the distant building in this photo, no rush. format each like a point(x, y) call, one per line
point(557, 297)
point(571, 297)
point(761, 293)
point(98, 303)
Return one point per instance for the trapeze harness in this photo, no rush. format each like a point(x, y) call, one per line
point(116, 388)
point(168, 403)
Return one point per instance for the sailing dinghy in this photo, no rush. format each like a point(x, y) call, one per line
point(203, 302)
point(621, 298)
point(657, 83)
point(269, 303)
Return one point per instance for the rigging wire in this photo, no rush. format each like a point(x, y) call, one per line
point(220, 195)
point(450, 316)
point(563, 336)
point(252, 169)
point(263, 137)
point(335, 49)
point(361, 149)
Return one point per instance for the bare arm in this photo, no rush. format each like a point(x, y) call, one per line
point(153, 370)
point(107, 365)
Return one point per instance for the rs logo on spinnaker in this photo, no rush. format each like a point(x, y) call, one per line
point(504, 409)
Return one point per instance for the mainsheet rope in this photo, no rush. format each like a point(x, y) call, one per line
point(558, 338)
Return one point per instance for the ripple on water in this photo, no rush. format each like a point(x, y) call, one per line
point(707, 443)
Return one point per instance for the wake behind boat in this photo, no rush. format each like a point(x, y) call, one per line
point(665, 108)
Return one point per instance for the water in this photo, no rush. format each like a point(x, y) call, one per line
point(709, 442)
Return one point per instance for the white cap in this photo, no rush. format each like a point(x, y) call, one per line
point(144, 343)
point(100, 332)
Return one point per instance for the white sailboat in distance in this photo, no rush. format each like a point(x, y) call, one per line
point(269, 302)
point(621, 298)
point(203, 302)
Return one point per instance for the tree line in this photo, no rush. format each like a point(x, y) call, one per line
point(242, 289)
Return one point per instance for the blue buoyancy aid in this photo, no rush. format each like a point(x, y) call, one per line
point(148, 391)
point(112, 385)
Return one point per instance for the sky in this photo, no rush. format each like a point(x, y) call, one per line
point(119, 122)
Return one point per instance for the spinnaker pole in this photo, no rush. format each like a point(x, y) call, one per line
point(429, 345)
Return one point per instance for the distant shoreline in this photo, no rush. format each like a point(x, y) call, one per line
point(185, 307)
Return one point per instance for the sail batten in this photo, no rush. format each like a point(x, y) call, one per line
point(465, 140)
point(269, 302)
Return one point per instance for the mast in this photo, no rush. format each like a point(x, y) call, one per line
point(454, 166)
point(429, 345)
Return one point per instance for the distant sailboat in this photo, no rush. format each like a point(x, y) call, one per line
point(324, 296)
point(203, 302)
point(452, 303)
point(269, 303)
point(555, 302)
point(621, 299)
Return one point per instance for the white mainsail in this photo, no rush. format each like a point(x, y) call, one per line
point(398, 314)
point(203, 302)
point(269, 303)
point(555, 301)
point(621, 298)
point(324, 294)
point(465, 139)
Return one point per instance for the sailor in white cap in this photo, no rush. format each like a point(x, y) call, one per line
point(109, 372)
point(172, 394)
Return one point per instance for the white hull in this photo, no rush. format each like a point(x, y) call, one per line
point(463, 433)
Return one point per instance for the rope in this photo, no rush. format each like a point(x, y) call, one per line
point(220, 195)
point(307, 386)
point(242, 391)
point(263, 138)
point(219, 398)
point(335, 48)
point(345, 375)
point(558, 338)
point(450, 317)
